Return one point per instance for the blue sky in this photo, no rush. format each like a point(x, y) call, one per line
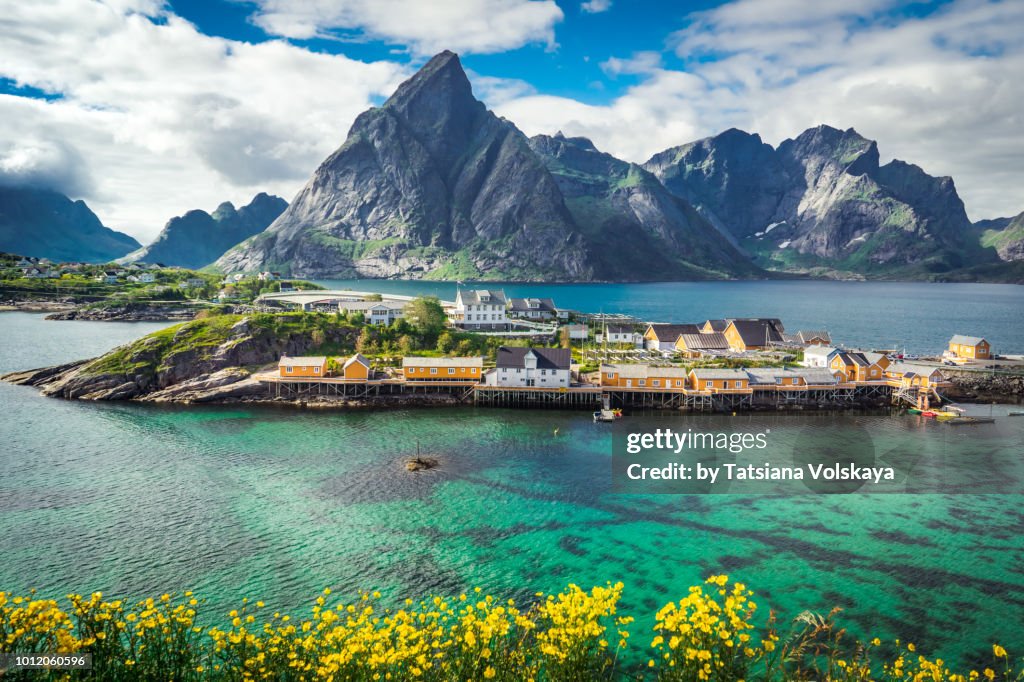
point(148, 108)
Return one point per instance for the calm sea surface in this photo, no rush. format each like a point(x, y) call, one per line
point(278, 503)
point(918, 316)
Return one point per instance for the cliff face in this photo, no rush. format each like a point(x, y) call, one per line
point(46, 224)
point(633, 222)
point(430, 182)
point(198, 238)
point(1005, 235)
point(822, 201)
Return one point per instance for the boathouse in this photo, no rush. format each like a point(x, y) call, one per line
point(303, 366)
point(969, 347)
point(461, 369)
point(662, 337)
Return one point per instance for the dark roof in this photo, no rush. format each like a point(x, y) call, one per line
point(526, 304)
point(718, 325)
point(620, 329)
point(706, 341)
point(547, 358)
point(488, 296)
point(759, 331)
point(670, 332)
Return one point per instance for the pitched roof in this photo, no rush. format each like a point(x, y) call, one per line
point(547, 358)
point(718, 325)
point(966, 340)
point(705, 341)
point(620, 329)
point(358, 357)
point(758, 331)
point(415, 361)
point(670, 332)
point(526, 304)
point(302, 361)
point(805, 336)
point(824, 351)
point(909, 369)
point(488, 296)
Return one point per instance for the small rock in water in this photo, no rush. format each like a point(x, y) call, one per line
point(420, 463)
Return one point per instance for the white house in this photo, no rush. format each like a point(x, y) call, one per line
point(479, 309)
point(621, 333)
point(819, 356)
point(532, 308)
point(147, 278)
point(376, 312)
point(578, 332)
point(540, 367)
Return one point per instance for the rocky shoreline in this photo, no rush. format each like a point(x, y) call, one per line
point(128, 313)
point(999, 388)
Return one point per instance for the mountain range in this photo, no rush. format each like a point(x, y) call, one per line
point(198, 238)
point(431, 184)
point(46, 224)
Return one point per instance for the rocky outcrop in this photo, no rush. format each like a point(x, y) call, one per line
point(129, 312)
point(198, 238)
point(46, 224)
point(200, 361)
point(986, 387)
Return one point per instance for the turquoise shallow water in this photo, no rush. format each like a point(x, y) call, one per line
point(278, 503)
point(916, 315)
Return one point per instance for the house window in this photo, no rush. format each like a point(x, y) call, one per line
point(739, 384)
point(543, 372)
point(451, 370)
point(316, 370)
point(289, 369)
point(611, 375)
point(656, 382)
point(679, 382)
point(433, 370)
point(709, 383)
point(643, 382)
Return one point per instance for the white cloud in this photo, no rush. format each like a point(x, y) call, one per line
point(596, 6)
point(425, 27)
point(47, 164)
point(640, 63)
point(942, 91)
point(168, 119)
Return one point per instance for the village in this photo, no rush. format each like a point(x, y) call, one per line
point(613, 361)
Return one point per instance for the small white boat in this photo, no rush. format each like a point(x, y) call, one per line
point(607, 415)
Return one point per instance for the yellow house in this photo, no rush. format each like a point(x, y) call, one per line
point(643, 377)
point(356, 368)
point(857, 366)
point(442, 369)
point(969, 347)
point(705, 343)
point(753, 334)
point(662, 337)
point(303, 366)
point(915, 376)
point(720, 380)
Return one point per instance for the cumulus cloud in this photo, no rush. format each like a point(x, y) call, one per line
point(942, 91)
point(424, 27)
point(170, 119)
point(45, 164)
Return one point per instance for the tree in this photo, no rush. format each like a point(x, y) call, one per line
point(365, 343)
point(427, 316)
point(373, 297)
point(406, 344)
point(445, 343)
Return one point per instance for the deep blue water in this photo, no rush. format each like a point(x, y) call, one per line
point(919, 316)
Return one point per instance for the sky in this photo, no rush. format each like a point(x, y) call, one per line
point(147, 109)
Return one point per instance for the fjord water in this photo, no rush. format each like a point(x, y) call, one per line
point(918, 316)
point(135, 500)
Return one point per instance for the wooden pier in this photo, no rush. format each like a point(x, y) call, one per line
point(588, 396)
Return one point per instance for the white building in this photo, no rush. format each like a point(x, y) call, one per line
point(819, 356)
point(621, 333)
point(376, 312)
point(480, 309)
point(147, 278)
point(578, 332)
point(540, 367)
point(532, 308)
